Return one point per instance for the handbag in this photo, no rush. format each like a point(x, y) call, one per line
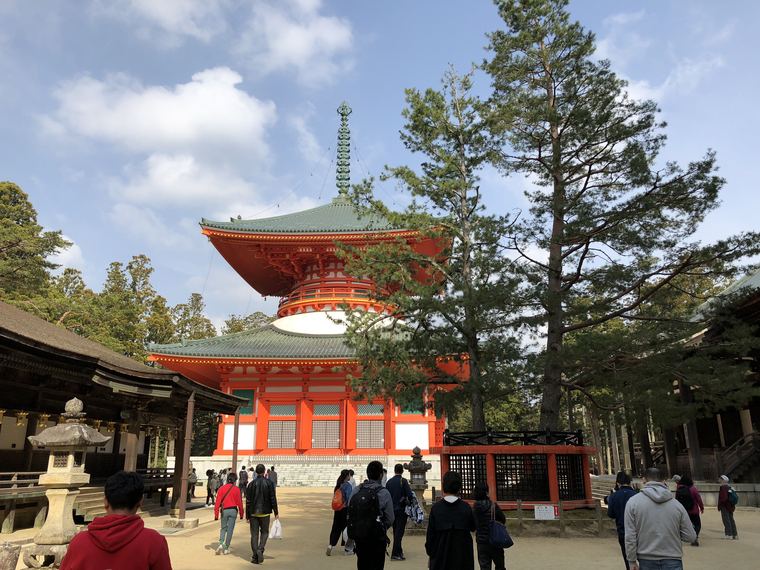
point(498, 535)
point(276, 531)
point(414, 511)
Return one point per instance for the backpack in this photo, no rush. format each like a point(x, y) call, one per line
point(337, 500)
point(733, 496)
point(363, 516)
point(683, 496)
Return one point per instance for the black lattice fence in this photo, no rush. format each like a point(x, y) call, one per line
point(523, 477)
point(472, 468)
point(570, 478)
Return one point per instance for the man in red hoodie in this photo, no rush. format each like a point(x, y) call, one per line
point(119, 540)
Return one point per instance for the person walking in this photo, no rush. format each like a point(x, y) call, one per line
point(341, 497)
point(242, 479)
point(119, 540)
point(211, 481)
point(273, 476)
point(260, 503)
point(401, 495)
point(448, 543)
point(655, 527)
point(230, 505)
point(688, 495)
point(727, 500)
point(616, 508)
point(370, 515)
point(192, 481)
point(485, 511)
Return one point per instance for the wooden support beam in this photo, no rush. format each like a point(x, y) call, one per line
point(235, 429)
point(186, 453)
point(132, 437)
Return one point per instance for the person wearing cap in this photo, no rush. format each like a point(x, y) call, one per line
point(726, 509)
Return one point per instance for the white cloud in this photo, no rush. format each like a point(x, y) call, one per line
point(208, 114)
point(308, 145)
point(624, 18)
point(69, 257)
point(682, 79)
point(145, 225)
point(291, 35)
point(168, 21)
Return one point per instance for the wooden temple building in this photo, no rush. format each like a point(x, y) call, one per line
point(293, 372)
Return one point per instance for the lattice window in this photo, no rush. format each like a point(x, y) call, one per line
point(371, 409)
point(370, 434)
point(282, 434)
point(570, 477)
point(60, 459)
point(78, 457)
point(326, 409)
point(246, 410)
point(282, 410)
point(325, 434)
point(472, 468)
point(524, 477)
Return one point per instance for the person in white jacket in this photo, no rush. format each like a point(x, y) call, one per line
point(656, 525)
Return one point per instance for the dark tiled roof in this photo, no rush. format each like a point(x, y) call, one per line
point(34, 331)
point(264, 342)
point(337, 216)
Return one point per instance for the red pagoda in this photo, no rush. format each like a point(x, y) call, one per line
point(294, 371)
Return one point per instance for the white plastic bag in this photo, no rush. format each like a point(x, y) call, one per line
point(276, 531)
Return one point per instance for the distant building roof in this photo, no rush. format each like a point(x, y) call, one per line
point(264, 342)
point(339, 216)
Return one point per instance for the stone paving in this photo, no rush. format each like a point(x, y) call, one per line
point(306, 518)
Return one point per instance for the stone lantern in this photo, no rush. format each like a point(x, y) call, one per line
point(417, 469)
point(67, 443)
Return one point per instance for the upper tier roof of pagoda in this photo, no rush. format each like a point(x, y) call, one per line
point(340, 216)
point(261, 343)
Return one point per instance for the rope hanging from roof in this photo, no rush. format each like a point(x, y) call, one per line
point(343, 167)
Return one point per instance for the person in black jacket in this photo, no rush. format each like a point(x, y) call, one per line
point(449, 542)
point(401, 493)
point(616, 508)
point(260, 502)
point(482, 510)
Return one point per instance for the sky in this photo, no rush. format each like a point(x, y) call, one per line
point(127, 121)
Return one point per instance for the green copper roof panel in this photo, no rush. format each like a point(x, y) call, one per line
point(337, 216)
point(264, 342)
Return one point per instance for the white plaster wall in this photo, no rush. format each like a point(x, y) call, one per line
point(318, 322)
point(246, 436)
point(11, 435)
point(410, 435)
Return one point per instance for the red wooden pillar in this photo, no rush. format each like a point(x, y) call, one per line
point(551, 463)
point(587, 477)
point(220, 437)
point(350, 426)
point(491, 475)
point(235, 430)
point(303, 425)
point(444, 464)
point(390, 426)
point(262, 424)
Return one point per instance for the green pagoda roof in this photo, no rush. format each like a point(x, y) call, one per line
point(339, 216)
point(264, 342)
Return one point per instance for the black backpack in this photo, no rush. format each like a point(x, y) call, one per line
point(363, 515)
point(683, 496)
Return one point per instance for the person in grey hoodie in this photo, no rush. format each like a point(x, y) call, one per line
point(655, 527)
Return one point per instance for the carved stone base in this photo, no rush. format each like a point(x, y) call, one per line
point(181, 523)
point(59, 525)
point(44, 555)
point(9, 556)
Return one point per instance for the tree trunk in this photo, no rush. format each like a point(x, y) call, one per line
point(643, 433)
point(476, 397)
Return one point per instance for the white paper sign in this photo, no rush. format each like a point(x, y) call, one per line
point(544, 512)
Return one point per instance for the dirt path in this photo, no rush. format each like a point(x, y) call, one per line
point(306, 519)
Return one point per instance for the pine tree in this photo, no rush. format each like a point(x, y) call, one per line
point(239, 323)
point(460, 303)
point(190, 322)
point(616, 220)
